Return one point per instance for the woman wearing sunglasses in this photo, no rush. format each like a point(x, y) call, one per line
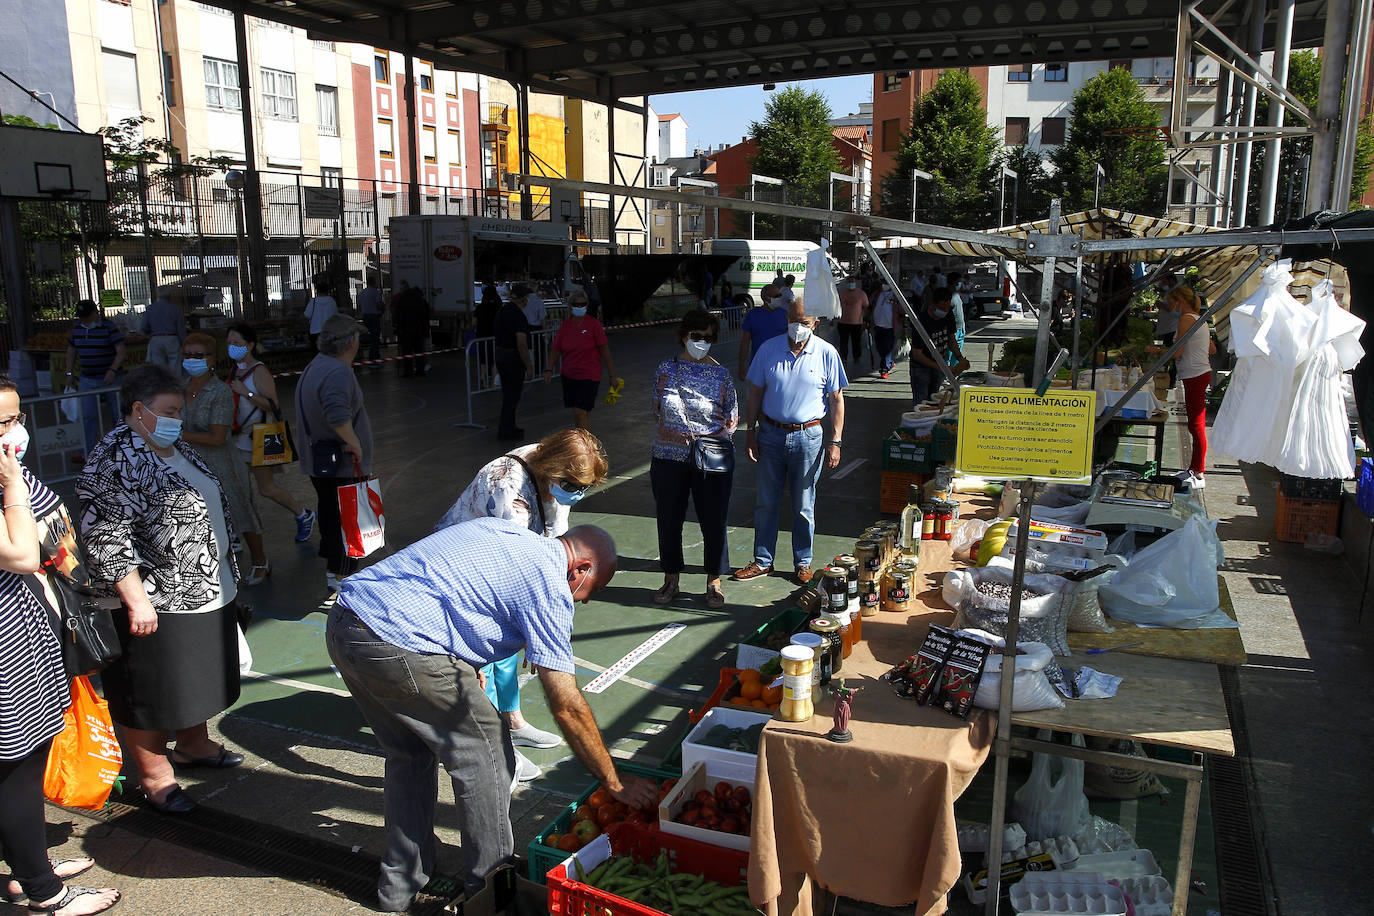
point(694, 398)
point(535, 486)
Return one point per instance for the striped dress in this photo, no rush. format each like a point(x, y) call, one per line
point(34, 689)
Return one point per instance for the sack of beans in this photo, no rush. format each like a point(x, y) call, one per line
point(983, 597)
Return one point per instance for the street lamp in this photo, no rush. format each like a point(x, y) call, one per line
point(1097, 184)
point(915, 174)
point(830, 196)
point(1015, 193)
point(765, 180)
point(235, 181)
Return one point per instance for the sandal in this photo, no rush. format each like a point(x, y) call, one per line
point(224, 760)
point(257, 578)
point(74, 891)
point(21, 896)
point(715, 598)
point(666, 594)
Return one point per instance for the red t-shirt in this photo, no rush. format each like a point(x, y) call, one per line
point(577, 339)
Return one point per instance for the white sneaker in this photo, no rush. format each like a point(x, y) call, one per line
point(525, 768)
point(1196, 481)
point(529, 736)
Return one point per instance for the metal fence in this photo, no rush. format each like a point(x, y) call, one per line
point(59, 443)
point(480, 371)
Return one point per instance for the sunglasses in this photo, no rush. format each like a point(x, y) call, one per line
point(573, 486)
point(701, 337)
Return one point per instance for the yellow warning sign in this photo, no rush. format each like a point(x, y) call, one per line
point(1009, 433)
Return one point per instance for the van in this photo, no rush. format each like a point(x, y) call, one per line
point(761, 260)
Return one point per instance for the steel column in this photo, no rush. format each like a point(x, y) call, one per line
point(1328, 113)
point(1042, 334)
point(612, 165)
point(1283, 47)
point(1219, 156)
point(1356, 65)
point(1241, 199)
point(522, 136)
point(251, 197)
point(412, 115)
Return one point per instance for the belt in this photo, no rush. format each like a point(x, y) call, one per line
point(790, 427)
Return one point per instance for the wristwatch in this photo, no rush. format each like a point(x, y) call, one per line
point(836, 442)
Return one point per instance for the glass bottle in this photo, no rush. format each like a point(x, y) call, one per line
point(911, 524)
point(797, 664)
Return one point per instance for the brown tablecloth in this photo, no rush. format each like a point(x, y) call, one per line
point(873, 819)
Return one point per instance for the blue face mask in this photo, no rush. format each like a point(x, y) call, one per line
point(578, 311)
point(940, 313)
point(195, 367)
point(565, 497)
point(165, 431)
point(237, 353)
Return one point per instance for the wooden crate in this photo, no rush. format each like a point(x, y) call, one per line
point(1295, 519)
point(896, 486)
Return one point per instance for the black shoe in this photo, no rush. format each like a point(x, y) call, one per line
point(224, 760)
point(175, 802)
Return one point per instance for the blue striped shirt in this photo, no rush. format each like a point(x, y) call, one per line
point(95, 347)
point(480, 591)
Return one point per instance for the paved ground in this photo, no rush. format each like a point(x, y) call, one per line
point(313, 770)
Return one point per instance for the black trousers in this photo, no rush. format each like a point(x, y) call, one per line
point(853, 335)
point(373, 323)
point(673, 482)
point(408, 343)
point(512, 371)
point(1168, 341)
point(330, 526)
point(23, 829)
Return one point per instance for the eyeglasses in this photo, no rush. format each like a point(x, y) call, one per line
point(9, 423)
point(198, 355)
point(701, 336)
point(573, 486)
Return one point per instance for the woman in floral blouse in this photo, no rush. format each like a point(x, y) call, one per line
point(694, 397)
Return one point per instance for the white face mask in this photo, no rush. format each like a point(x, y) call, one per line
point(768, 304)
point(698, 349)
point(798, 332)
point(17, 439)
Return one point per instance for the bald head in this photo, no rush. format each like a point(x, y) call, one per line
point(591, 559)
point(796, 311)
point(769, 295)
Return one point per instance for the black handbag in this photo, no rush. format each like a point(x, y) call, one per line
point(85, 630)
point(713, 456)
point(326, 455)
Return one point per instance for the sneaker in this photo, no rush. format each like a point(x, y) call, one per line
point(525, 768)
point(804, 575)
point(529, 736)
point(305, 525)
point(1196, 481)
point(752, 571)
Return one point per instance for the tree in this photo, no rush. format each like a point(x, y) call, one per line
point(1036, 185)
point(949, 138)
point(1136, 168)
point(796, 145)
point(1304, 76)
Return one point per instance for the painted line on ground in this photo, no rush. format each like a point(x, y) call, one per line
point(298, 685)
point(636, 655)
point(679, 696)
point(848, 469)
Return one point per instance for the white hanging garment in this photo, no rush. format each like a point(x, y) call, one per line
point(1318, 442)
point(822, 298)
point(1269, 334)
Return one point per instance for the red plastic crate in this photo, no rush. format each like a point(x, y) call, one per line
point(1295, 519)
point(727, 680)
point(570, 897)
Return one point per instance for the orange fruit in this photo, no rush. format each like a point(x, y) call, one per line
point(773, 695)
point(749, 674)
point(760, 704)
point(751, 690)
point(741, 701)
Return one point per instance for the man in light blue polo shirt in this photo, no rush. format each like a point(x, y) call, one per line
point(796, 380)
point(408, 636)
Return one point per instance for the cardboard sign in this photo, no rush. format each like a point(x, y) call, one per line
point(1010, 434)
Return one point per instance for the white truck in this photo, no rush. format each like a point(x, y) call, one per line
point(760, 262)
point(449, 257)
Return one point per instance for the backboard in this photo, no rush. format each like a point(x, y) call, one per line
point(36, 163)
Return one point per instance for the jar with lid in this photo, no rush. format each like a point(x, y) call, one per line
point(928, 521)
point(869, 554)
point(798, 663)
point(819, 647)
point(835, 587)
point(850, 565)
point(841, 618)
point(869, 590)
point(896, 594)
point(829, 630)
point(856, 623)
point(944, 520)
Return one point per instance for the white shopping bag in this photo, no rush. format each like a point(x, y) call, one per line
point(71, 407)
point(360, 513)
point(822, 298)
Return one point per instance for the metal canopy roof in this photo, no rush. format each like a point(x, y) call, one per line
point(606, 49)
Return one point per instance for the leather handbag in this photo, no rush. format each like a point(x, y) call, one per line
point(713, 456)
point(85, 630)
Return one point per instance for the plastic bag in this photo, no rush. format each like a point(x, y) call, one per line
point(71, 407)
point(1172, 582)
point(822, 298)
point(1044, 618)
point(1085, 606)
point(966, 535)
point(1048, 809)
point(85, 758)
point(1031, 690)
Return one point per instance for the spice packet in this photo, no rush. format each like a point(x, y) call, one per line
point(962, 670)
point(934, 652)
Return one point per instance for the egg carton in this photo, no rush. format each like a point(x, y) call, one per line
point(1101, 836)
point(974, 837)
point(1151, 895)
point(1060, 848)
point(1053, 893)
point(1134, 863)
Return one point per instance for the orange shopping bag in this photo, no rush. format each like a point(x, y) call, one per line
point(85, 758)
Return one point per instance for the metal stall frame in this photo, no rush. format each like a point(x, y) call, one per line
point(1048, 246)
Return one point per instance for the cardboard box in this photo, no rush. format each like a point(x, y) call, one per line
point(703, 775)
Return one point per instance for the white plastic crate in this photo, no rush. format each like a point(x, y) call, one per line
point(1049, 893)
point(693, 750)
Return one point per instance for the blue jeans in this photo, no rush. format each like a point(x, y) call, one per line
point(90, 406)
point(423, 710)
point(793, 459)
point(503, 683)
point(885, 340)
point(925, 381)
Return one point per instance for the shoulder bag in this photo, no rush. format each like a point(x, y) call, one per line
point(326, 456)
point(271, 442)
point(539, 503)
point(710, 455)
point(85, 630)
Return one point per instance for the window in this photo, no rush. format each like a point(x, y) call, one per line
point(331, 178)
point(386, 142)
point(1017, 131)
point(449, 80)
point(427, 78)
point(121, 80)
point(279, 94)
point(327, 102)
point(222, 85)
point(892, 135)
point(1120, 63)
point(891, 82)
point(1180, 195)
point(136, 285)
point(659, 242)
point(322, 45)
point(1052, 131)
point(381, 68)
point(429, 144)
point(213, 10)
point(169, 80)
point(1056, 73)
point(1019, 73)
point(660, 219)
point(455, 148)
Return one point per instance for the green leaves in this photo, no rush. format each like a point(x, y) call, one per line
point(1136, 169)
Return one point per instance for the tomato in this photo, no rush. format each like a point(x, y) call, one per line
point(552, 839)
point(741, 794)
point(586, 831)
point(724, 790)
point(730, 824)
point(729, 805)
point(710, 820)
point(703, 797)
point(637, 817)
point(569, 842)
point(599, 798)
point(621, 810)
point(690, 818)
point(584, 813)
point(692, 805)
point(668, 785)
point(606, 815)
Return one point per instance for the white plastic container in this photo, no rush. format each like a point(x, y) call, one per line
point(1151, 896)
point(1052, 893)
point(703, 774)
point(694, 751)
point(1132, 863)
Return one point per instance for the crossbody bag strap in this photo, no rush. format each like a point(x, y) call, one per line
point(529, 472)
